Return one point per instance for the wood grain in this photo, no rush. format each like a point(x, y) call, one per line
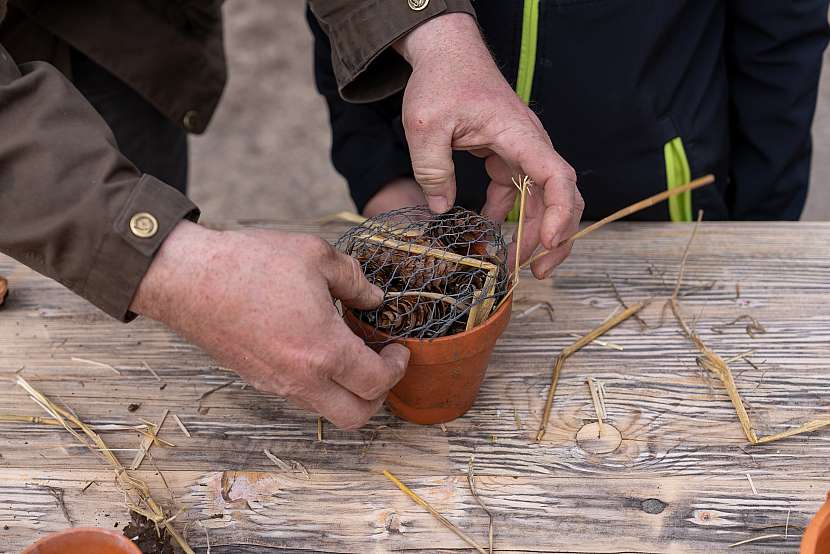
point(681, 442)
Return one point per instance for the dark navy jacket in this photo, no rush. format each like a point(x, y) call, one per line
point(615, 81)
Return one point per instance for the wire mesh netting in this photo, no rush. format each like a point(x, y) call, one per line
point(437, 271)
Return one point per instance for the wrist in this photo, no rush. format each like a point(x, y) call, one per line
point(440, 35)
point(174, 270)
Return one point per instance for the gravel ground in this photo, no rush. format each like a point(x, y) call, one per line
point(265, 155)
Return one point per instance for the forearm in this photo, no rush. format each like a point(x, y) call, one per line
point(453, 35)
point(69, 196)
point(361, 33)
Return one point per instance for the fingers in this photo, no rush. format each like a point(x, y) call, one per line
point(544, 266)
point(370, 375)
point(430, 147)
point(344, 409)
point(557, 206)
point(501, 193)
point(346, 281)
point(359, 384)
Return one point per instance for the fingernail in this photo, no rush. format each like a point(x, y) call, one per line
point(438, 204)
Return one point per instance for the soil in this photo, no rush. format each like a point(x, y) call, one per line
point(149, 541)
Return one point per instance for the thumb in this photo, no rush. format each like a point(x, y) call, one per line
point(430, 150)
point(346, 281)
point(396, 357)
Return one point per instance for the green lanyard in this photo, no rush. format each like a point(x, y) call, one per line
point(527, 66)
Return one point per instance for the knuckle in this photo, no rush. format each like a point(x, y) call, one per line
point(568, 173)
point(352, 420)
point(318, 248)
point(321, 363)
point(421, 120)
point(432, 180)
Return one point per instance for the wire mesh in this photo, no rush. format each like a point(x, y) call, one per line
point(435, 269)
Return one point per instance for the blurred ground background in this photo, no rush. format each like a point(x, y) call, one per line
point(265, 155)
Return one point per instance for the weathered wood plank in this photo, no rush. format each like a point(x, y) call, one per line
point(679, 431)
point(364, 512)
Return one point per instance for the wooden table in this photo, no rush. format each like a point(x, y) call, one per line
point(676, 483)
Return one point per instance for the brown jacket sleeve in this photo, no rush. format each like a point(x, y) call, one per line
point(361, 32)
point(67, 195)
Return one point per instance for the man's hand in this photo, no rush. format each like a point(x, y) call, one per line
point(260, 302)
point(458, 99)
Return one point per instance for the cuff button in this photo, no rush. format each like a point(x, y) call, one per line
point(144, 225)
point(418, 5)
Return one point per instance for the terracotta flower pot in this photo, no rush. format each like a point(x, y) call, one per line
point(816, 539)
point(444, 374)
point(84, 540)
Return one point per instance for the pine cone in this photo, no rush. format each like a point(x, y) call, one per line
point(403, 314)
point(4, 290)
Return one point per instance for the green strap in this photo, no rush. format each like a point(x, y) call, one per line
point(527, 54)
point(677, 174)
point(527, 66)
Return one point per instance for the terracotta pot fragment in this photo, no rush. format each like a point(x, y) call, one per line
point(83, 540)
point(816, 539)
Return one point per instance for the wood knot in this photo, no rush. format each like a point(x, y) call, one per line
point(595, 440)
point(653, 505)
point(392, 524)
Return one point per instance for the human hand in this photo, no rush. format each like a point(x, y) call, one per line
point(399, 193)
point(457, 98)
point(260, 302)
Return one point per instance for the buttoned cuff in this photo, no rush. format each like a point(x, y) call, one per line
point(365, 67)
point(150, 213)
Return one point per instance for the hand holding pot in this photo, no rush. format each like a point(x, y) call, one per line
point(260, 302)
point(457, 98)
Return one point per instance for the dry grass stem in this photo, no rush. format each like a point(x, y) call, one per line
point(57, 493)
point(207, 537)
point(349, 217)
point(808, 427)
point(319, 428)
point(605, 343)
point(148, 441)
point(622, 302)
point(516, 419)
point(151, 370)
point(97, 364)
point(711, 361)
point(752, 328)
point(633, 208)
point(546, 305)
point(137, 494)
point(426, 506)
point(293, 467)
point(213, 390)
point(751, 484)
point(433, 295)
point(756, 539)
point(471, 480)
point(685, 257)
point(598, 399)
point(523, 184)
point(597, 332)
point(181, 426)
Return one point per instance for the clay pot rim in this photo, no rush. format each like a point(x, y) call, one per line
point(506, 302)
point(119, 537)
